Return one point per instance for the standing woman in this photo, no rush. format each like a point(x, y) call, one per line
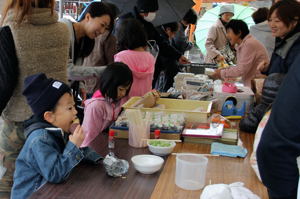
point(95, 20)
point(41, 44)
point(284, 23)
point(285, 27)
point(250, 53)
point(216, 38)
point(279, 145)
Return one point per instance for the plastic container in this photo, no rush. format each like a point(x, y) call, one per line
point(156, 134)
point(229, 88)
point(199, 68)
point(111, 141)
point(195, 111)
point(138, 135)
point(243, 94)
point(190, 171)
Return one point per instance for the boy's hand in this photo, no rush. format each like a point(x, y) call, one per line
point(77, 137)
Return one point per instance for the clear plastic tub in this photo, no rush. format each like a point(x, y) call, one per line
point(190, 171)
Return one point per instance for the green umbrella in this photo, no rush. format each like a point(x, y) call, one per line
point(210, 17)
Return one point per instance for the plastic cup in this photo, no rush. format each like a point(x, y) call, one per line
point(190, 171)
point(138, 135)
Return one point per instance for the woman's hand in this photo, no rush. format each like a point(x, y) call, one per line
point(262, 66)
point(220, 58)
point(183, 60)
point(217, 74)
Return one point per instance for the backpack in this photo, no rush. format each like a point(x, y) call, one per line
point(9, 70)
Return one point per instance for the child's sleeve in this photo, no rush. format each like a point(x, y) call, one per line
point(93, 122)
point(53, 165)
point(91, 156)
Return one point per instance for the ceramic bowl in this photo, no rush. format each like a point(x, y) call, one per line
point(147, 164)
point(161, 150)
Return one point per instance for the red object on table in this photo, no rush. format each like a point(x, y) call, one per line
point(229, 87)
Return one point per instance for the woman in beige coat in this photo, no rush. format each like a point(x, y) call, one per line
point(42, 45)
point(216, 38)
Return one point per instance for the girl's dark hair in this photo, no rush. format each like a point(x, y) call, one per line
point(190, 17)
point(238, 27)
point(95, 9)
point(287, 11)
point(116, 74)
point(260, 15)
point(131, 35)
point(173, 26)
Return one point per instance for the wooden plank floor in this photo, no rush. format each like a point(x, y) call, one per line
point(220, 170)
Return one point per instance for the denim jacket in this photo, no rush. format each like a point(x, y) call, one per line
point(47, 156)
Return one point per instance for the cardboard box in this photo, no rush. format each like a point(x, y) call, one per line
point(244, 94)
point(195, 111)
point(122, 133)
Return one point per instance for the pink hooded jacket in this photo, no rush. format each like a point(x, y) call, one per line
point(141, 63)
point(250, 53)
point(99, 113)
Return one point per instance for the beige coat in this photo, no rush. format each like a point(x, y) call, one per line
point(103, 54)
point(42, 45)
point(216, 39)
point(104, 50)
point(250, 53)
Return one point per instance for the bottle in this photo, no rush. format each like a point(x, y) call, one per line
point(156, 134)
point(111, 140)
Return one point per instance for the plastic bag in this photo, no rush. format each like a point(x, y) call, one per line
point(161, 82)
point(223, 191)
point(153, 48)
point(114, 166)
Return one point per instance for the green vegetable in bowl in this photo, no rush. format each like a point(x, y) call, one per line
point(160, 143)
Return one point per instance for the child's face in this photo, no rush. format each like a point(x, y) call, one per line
point(64, 112)
point(122, 90)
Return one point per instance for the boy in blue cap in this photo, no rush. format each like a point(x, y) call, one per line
point(50, 151)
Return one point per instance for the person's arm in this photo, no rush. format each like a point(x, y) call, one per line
point(210, 43)
point(91, 156)
point(79, 73)
point(181, 41)
point(166, 49)
point(53, 165)
point(110, 48)
point(248, 55)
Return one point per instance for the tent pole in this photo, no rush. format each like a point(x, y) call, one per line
point(61, 8)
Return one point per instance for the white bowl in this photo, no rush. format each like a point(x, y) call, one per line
point(147, 164)
point(161, 150)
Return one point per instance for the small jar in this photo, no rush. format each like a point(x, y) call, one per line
point(111, 139)
point(156, 134)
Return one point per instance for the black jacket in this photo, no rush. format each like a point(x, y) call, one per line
point(9, 71)
point(286, 50)
point(280, 141)
point(165, 48)
point(270, 89)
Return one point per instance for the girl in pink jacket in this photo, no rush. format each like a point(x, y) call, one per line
point(132, 45)
point(105, 105)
